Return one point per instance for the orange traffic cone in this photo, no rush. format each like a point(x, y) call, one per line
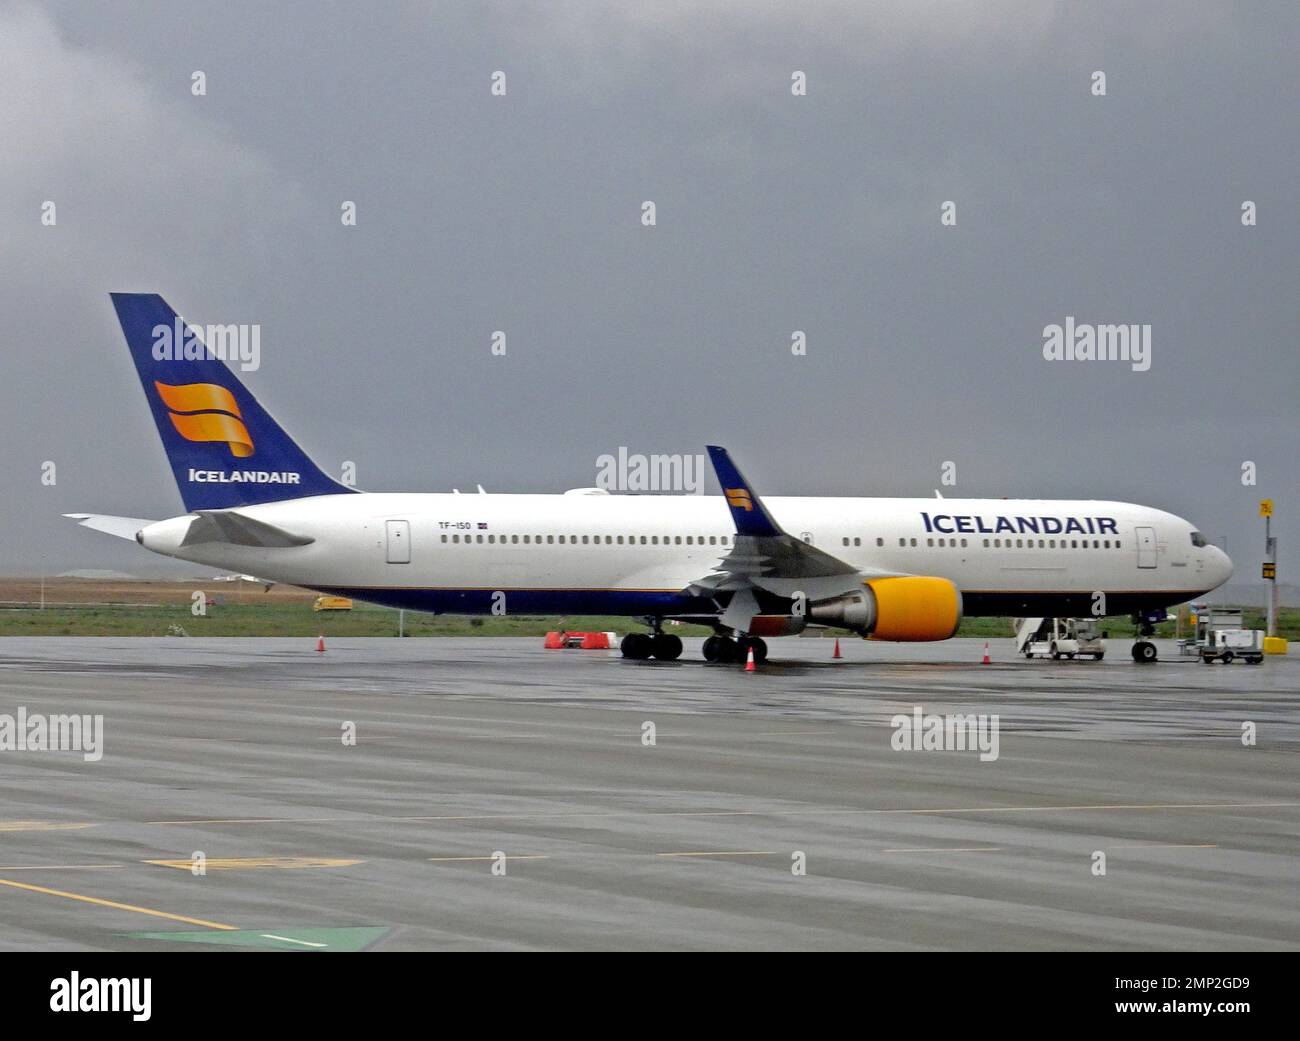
point(837, 653)
point(320, 644)
point(749, 661)
point(987, 660)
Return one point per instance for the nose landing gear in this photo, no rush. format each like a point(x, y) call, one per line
point(1144, 651)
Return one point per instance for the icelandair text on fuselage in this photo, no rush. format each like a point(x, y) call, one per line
point(243, 476)
point(973, 524)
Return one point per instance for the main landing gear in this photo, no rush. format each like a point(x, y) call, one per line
point(659, 644)
point(667, 647)
point(725, 649)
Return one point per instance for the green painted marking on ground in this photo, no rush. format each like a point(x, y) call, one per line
point(282, 938)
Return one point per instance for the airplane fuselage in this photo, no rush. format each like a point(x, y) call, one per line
point(593, 553)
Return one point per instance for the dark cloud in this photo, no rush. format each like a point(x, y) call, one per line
point(775, 213)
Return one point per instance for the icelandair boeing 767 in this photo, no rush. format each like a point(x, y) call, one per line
point(887, 569)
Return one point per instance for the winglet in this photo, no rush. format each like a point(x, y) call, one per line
point(747, 509)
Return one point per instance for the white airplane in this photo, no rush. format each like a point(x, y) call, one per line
point(886, 569)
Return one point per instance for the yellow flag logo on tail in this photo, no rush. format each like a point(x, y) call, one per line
point(739, 497)
point(206, 412)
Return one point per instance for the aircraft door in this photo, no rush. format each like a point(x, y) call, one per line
point(399, 541)
point(1146, 546)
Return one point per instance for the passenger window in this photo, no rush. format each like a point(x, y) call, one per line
point(857, 541)
point(724, 540)
point(455, 538)
point(997, 543)
point(846, 540)
point(913, 542)
point(880, 542)
point(902, 542)
point(963, 543)
point(444, 538)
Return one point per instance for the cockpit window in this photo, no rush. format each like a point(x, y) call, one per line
point(1198, 539)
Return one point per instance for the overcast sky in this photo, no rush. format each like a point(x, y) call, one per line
point(775, 213)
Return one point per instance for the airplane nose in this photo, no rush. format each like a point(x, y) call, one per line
point(1220, 566)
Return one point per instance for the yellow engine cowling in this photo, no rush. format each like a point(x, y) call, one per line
point(914, 608)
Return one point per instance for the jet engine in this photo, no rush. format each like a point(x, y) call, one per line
point(904, 609)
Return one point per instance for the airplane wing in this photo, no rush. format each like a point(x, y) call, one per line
point(766, 559)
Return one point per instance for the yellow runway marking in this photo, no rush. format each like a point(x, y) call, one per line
point(237, 863)
point(790, 812)
point(724, 853)
point(117, 906)
point(948, 849)
point(508, 857)
point(44, 825)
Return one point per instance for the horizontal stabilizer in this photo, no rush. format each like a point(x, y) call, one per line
point(122, 527)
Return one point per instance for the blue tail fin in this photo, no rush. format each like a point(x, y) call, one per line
point(224, 448)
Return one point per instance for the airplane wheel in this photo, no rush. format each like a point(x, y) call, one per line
point(666, 647)
point(637, 646)
point(1144, 651)
point(715, 649)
